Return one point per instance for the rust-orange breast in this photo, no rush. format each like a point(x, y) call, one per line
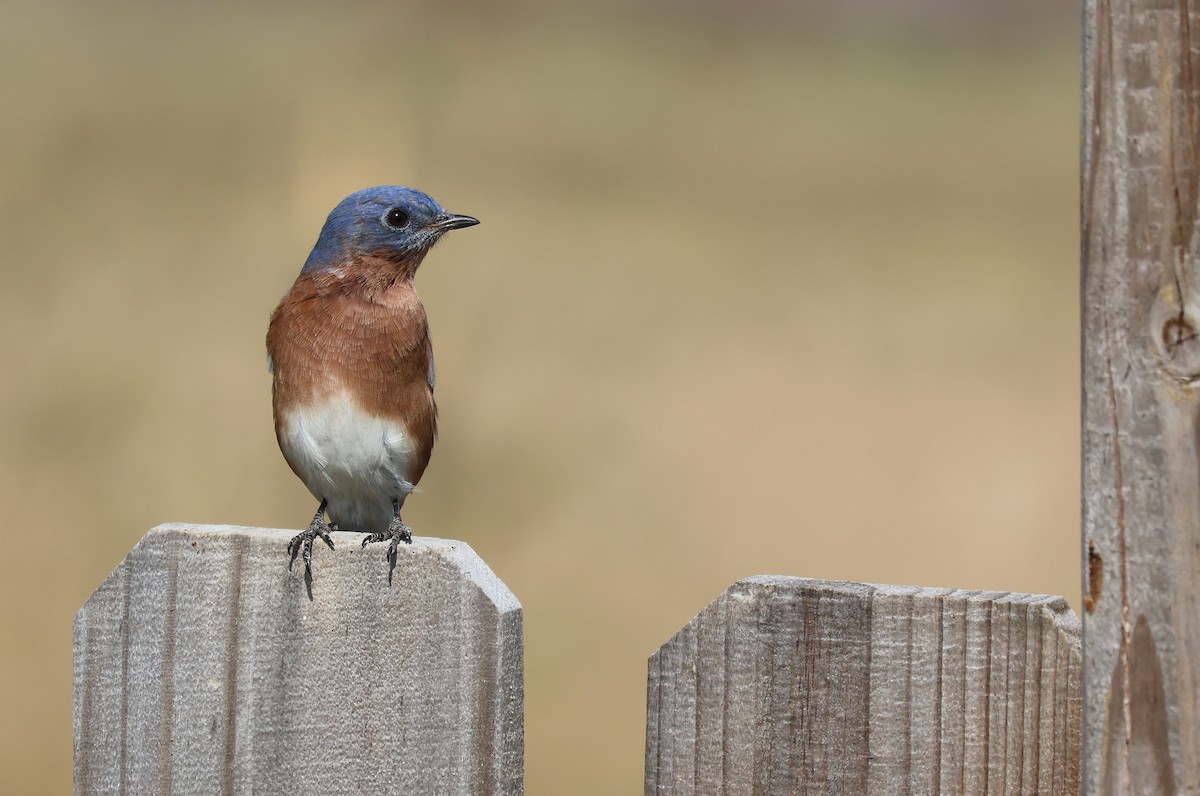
point(361, 331)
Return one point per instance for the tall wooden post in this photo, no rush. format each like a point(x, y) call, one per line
point(1141, 403)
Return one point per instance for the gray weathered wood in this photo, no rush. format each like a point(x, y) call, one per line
point(202, 667)
point(795, 686)
point(1141, 370)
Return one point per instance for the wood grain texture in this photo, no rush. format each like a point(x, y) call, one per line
point(796, 686)
point(1141, 365)
point(202, 667)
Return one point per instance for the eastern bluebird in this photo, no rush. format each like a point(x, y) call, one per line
point(352, 364)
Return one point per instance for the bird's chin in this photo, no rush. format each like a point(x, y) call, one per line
point(381, 269)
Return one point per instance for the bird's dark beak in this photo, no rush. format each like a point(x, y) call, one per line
point(449, 221)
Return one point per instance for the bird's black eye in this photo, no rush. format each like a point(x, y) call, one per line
point(395, 218)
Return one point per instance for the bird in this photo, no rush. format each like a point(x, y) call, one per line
point(352, 367)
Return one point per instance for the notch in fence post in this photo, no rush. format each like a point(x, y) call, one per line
point(202, 667)
point(789, 685)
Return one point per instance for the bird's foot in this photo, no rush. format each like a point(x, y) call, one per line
point(304, 541)
point(396, 533)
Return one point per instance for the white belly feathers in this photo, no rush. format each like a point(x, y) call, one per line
point(355, 460)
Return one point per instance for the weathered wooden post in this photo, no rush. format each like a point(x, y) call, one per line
point(795, 686)
point(202, 667)
point(1141, 362)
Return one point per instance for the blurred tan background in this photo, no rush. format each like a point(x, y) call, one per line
point(760, 288)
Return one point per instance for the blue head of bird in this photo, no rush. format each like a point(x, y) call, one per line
point(389, 222)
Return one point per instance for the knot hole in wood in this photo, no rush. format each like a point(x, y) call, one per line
point(1176, 339)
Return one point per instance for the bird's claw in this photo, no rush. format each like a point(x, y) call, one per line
point(304, 542)
point(396, 533)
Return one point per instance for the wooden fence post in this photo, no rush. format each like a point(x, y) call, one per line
point(203, 667)
point(796, 686)
point(1141, 365)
